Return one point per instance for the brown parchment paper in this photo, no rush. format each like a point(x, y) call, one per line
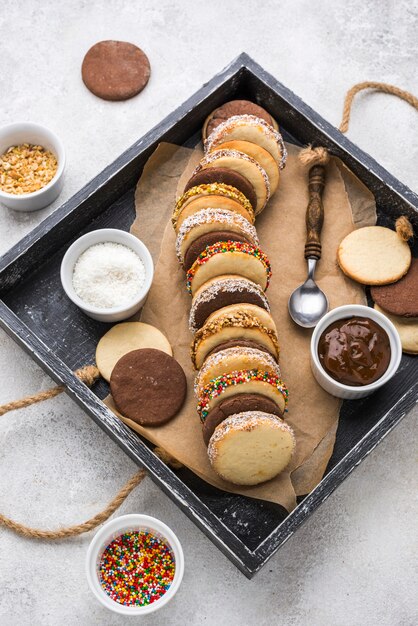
point(313, 413)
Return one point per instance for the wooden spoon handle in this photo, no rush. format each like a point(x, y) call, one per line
point(315, 212)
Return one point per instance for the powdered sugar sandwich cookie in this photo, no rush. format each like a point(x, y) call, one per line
point(251, 447)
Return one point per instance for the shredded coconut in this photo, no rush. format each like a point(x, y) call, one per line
point(108, 274)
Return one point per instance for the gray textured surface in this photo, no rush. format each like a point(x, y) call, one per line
point(353, 562)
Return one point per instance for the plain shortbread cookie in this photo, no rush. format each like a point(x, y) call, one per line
point(374, 255)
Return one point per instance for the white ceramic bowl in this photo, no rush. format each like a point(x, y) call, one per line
point(346, 391)
point(117, 313)
point(28, 132)
point(113, 529)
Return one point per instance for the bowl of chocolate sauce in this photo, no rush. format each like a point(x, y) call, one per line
point(354, 351)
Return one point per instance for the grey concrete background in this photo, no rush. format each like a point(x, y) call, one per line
point(353, 562)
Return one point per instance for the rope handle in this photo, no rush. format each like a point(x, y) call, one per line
point(320, 155)
point(384, 87)
point(88, 375)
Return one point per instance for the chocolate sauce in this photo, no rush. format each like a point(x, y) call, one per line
point(354, 351)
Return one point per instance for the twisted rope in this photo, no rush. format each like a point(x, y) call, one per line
point(87, 375)
point(319, 155)
point(384, 87)
point(77, 529)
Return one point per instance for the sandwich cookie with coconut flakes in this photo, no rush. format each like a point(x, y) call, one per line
point(209, 221)
point(244, 165)
point(251, 447)
point(237, 404)
point(223, 291)
point(232, 108)
point(258, 153)
point(251, 129)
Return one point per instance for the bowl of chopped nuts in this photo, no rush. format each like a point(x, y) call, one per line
point(32, 162)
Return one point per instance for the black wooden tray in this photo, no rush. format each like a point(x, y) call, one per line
point(37, 314)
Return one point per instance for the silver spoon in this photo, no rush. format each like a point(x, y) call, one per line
point(308, 303)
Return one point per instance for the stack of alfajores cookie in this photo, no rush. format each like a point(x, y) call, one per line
point(241, 397)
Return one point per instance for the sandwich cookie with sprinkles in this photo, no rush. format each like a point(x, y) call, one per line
point(254, 381)
point(229, 257)
point(231, 360)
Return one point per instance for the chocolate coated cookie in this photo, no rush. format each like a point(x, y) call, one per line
point(227, 177)
point(148, 386)
point(115, 70)
point(199, 244)
point(234, 405)
point(400, 298)
point(224, 291)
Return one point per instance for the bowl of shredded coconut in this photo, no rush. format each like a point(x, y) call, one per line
point(107, 273)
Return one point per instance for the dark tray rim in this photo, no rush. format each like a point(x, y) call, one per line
point(248, 561)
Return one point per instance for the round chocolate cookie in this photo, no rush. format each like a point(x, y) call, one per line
point(223, 291)
point(234, 405)
point(199, 244)
point(238, 343)
point(400, 298)
point(230, 109)
point(148, 386)
point(115, 70)
point(225, 176)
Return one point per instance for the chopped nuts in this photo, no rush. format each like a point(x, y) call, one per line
point(26, 168)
